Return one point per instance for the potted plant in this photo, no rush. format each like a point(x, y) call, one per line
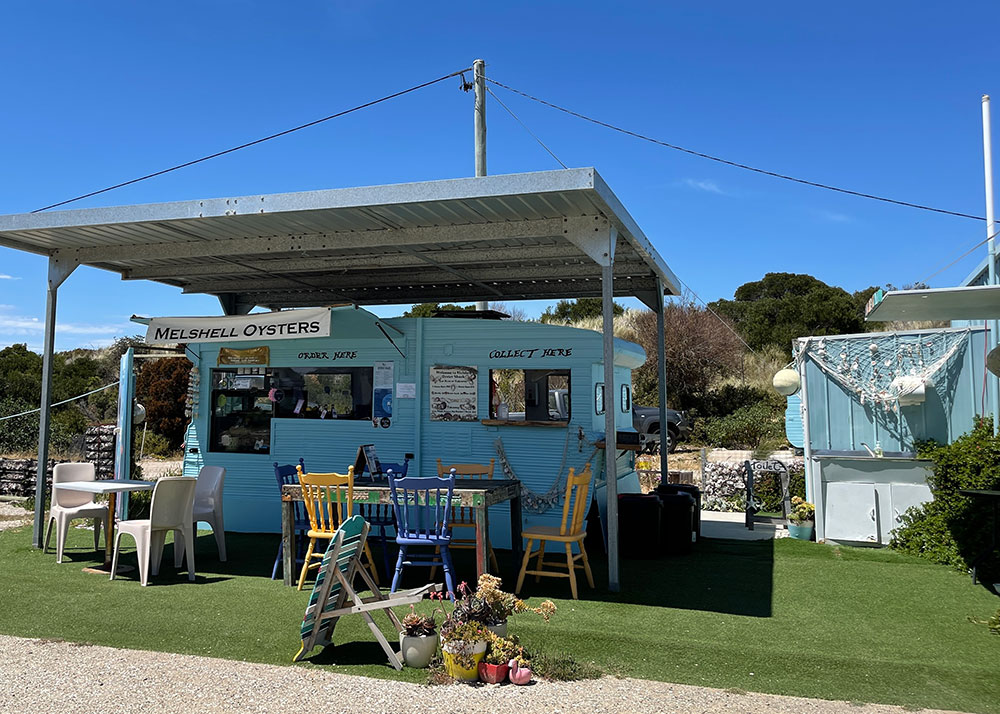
point(418, 641)
point(800, 520)
point(494, 666)
point(463, 645)
point(518, 669)
point(492, 606)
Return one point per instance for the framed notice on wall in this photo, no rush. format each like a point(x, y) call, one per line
point(454, 393)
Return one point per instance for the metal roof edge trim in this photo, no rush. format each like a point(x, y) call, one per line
point(639, 241)
point(976, 274)
point(579, 179)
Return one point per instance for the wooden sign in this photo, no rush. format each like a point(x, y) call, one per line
point(454, 393)
point(252, 355)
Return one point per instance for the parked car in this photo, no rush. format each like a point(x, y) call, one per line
point(645, 420)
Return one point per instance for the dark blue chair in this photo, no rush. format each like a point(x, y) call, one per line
point(381, 515)
point(423, 508)
point(288, 475)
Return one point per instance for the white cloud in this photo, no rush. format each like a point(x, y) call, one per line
point(835, 217)
point(707, 185)
point(7, 277)
point(13, 325)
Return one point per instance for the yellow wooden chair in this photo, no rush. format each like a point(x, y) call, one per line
point(462, 517)
point(571, 531)
point(329, 501)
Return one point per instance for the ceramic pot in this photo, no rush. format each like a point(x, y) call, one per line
point(801, 531)
point(417, 651)
point(493, 673)
point(498, 630)
point(456, 670)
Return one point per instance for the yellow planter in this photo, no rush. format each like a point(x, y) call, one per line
point(457, 671)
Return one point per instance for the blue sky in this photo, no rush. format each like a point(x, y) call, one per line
point(878, 97)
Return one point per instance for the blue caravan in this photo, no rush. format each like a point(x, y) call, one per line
point(318, 383)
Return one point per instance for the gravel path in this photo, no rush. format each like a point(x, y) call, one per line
point(13, 515)
point(40, 675)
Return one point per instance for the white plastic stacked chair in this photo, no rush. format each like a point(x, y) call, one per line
point(170, 510)
point(69, 505)
point(208, 504)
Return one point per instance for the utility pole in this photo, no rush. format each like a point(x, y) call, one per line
point(479, 79)
point(991, 230)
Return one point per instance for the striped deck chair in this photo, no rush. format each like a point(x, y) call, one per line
point(333, 594)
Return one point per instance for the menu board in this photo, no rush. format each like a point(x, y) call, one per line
point(367, 457)
point(454, 393)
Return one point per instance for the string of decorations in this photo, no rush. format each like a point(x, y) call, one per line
point(530, 500)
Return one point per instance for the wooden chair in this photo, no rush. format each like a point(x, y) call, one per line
point(286, 475)
point(462, 517)
point(329, 501)
point(380, 515)
point(571, 531)
point(334, 596)
point(422, 515)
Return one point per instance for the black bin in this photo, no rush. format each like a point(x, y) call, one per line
point(670, 489)
point(639, 525)
point(677, 522)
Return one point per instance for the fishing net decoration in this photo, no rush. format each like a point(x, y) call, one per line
point(879, 369)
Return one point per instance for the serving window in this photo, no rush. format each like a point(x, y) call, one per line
point(530, 395)
point(322, 392)
point(244, 400)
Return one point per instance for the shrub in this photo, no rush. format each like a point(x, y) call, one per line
point(151, 445)
point(953, 529)
point(746, 428)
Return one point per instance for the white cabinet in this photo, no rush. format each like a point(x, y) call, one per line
point(907, 495)
point(851, 512)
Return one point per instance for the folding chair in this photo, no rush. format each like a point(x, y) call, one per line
point(334, 596)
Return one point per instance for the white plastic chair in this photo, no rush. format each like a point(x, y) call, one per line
point(170, 510)
point(69, 505)
point(208, 504)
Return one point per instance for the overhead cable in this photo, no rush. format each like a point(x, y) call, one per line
point(962, 256)
point(734, 163)
point(64, 401)
point(254, 142)
point(525, 126)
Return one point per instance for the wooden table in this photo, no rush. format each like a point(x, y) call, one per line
point(112, 488)
point(477, 494)
point(995, 538)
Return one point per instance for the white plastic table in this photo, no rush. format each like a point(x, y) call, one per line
point(111, 487)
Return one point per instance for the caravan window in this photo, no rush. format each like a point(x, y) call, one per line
point(530, 395)
point(241, 412)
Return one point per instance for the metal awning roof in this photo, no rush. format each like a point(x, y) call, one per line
point(980, 302)
point(517, 236)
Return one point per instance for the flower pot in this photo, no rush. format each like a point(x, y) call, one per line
point(498, 630)
point(452, 666)
point(492, 673)
point(801, 531)
point(417, 651)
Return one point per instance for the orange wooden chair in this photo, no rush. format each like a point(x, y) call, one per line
point(571, 531)
point(329, 501)
point(462, 517)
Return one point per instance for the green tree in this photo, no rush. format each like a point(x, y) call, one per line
point(161, 387)
point(427, 309)
point(569, 311)
point(785, 306)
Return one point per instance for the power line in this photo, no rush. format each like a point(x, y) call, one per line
point(734, 163)
point(525, 126)
point(961, 257)
point(64, 401)
point(254, 142)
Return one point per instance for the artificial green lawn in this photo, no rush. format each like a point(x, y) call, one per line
point(786, 617)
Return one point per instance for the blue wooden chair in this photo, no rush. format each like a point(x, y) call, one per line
point(288, 475)
point(423, 507)
point(381, 516)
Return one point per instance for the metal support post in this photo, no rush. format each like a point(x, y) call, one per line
point(610, 412)
point(58, 272)
point(661, 370)
point(991, 229)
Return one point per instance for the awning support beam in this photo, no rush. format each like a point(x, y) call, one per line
point(606, 258)
point(59, 270)
point(661, 372)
